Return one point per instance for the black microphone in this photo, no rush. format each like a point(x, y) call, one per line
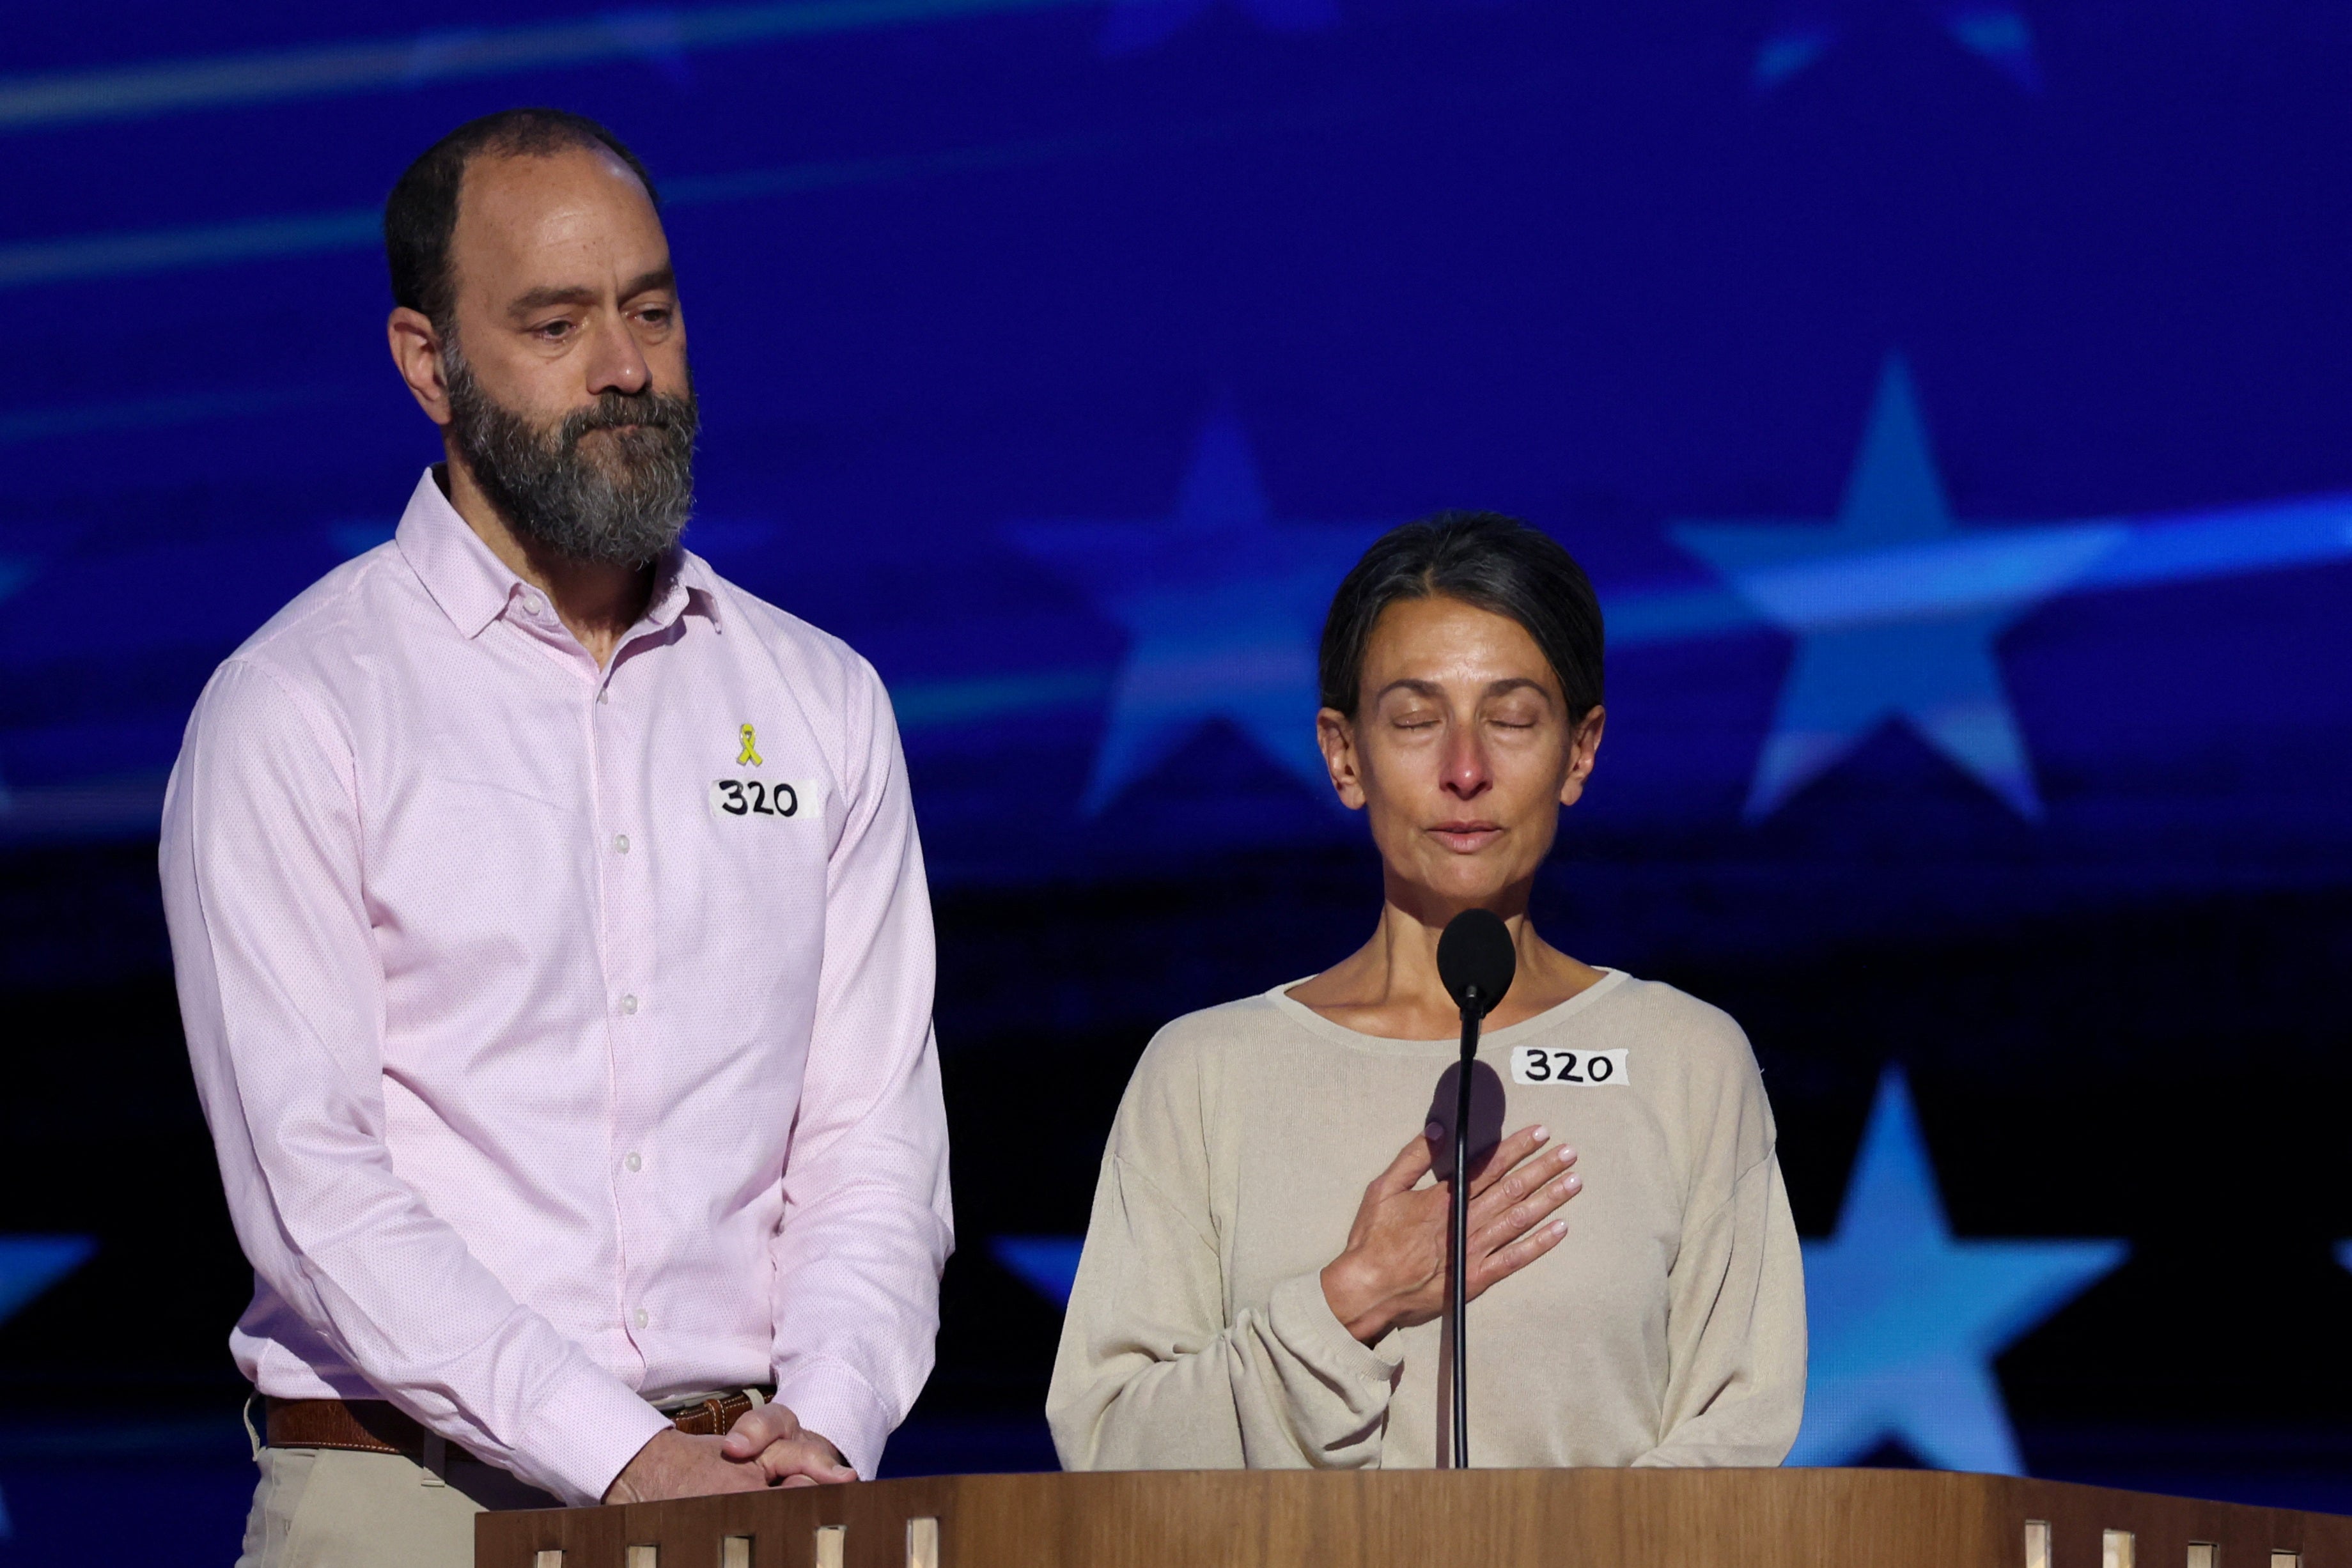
point(1476, 960)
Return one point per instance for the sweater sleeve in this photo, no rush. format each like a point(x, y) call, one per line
point(1736, 1331)
point(1154, 1371)
point(1151, 1376)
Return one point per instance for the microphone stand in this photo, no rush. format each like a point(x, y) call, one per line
point(1473, 1011)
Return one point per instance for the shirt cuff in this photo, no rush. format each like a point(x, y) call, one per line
point(829, 1398)
point(1301, 1317)
point(584, 1434)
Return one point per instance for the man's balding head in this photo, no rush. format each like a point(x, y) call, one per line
point(420, 218)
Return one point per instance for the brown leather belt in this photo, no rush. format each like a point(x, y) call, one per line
point(376, 1427)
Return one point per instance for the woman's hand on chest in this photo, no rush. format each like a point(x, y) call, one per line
point(1392, 1272)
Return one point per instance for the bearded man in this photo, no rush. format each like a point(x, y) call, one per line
point(553, 941)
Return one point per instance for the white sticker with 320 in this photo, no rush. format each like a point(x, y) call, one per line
point(1534, 1064)
point(755, 800)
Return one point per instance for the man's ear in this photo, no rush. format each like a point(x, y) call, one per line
point(417, 352)
point(1583, 751)
point(1336, 736)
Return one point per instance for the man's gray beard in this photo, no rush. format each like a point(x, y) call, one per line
point(624, 511)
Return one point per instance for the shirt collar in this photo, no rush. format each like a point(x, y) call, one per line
point(683, 584)
point(474, 587)
point(471, 585)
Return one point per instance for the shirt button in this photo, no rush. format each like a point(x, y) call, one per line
point(533, 604)
point(628, 1005)
point(634, 1162)
point(639, 1317)
point(620, 843)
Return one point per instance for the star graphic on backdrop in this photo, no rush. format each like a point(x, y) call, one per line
point(1134, 26)
point(29, 1265)
point(1223, 608)
point(1906, 1320)
point(1895, 612)
point(1805, 30)
point(1046, 1264)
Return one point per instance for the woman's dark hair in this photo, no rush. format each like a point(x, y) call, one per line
point(421, 214)
point(1484, 558)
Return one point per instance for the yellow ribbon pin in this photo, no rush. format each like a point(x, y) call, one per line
point(750, 758)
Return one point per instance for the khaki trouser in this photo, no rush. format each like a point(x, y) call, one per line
point(329, 1507)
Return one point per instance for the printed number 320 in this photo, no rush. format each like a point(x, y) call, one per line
point(753, 798)
point(1533, 1064)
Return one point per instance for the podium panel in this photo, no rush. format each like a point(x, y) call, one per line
point(1424, 1518)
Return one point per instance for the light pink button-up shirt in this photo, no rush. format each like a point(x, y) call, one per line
point(564, 1033)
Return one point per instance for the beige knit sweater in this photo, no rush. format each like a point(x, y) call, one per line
point(1666, 1328)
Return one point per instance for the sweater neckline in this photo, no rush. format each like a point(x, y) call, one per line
point(1341, 1034)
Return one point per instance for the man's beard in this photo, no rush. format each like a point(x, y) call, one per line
point(622, 507)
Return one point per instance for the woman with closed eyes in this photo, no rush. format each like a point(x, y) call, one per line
point(1265, 1268)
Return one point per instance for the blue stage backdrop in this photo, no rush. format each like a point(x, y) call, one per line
point(1951, 400)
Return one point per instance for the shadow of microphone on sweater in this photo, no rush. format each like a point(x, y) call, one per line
point(1485, 1116)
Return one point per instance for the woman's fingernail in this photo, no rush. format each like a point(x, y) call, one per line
point(1573, 1183)
point(1542, 1133)
point(1559, 1228)
point(1566, 1153)
point(1434, 1130)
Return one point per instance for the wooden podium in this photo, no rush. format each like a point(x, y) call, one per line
point(1426, 1519)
